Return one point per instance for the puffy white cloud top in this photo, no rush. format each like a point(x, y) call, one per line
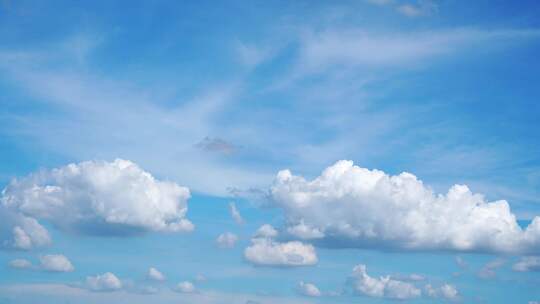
point(266, 231)
point(94, 197)
point(155, 275)
point(308, 289)
point(368, 208)
point(267, 252)
point(383, 286)
point(104, 282)
point(56, 263)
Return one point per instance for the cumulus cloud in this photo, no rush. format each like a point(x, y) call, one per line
point(235, 214)
point(308, 289)
point(226, 240)
point(55, 263)
point(185, 287)
point(104, 282)
point(266, 231)
point(383, 287)
point(264, 251)
point(93, 197)
point(21, 232)
point(531, 263)
point(446, 291)
point(155, 275)
point(357, 207)
point(20, 264)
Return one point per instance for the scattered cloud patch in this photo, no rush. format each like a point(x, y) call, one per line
point(383, 287)
point(368, 208)
point(185, 287)
point(308, 289)
point(155, 275)
point(20, 264)
point(227, 240)
point(55, 263)
point(266, 231)
point(530, 263)
point(264, 251)
point(446, 291)
point(95, 198)
point(235, 213)
point(216, 144)
point(104, 282)
point(489, 270)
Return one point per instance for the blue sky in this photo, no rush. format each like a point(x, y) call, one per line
point(165, 134)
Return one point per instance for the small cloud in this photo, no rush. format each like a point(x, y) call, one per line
point(155, 275)
point(383, 287)
point(446, 291)
point(461, 263)
point(20, 264)
point(216, 144)
point(266, 231)
point(488, 271)
point(185, 287)
point(308, 289)
point(235, 214)
point(226, 240)
point(104, 282)
point(266, 252)
point(200, 278)
point(55, 263)
point(531, 263)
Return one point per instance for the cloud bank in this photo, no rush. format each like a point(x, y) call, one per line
point(350, 206)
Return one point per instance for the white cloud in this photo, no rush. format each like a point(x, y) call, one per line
point(235, 214)
point(55, 263)
point(267, 252)
point(303, 231)
point(155, 275)
point(104, 282)
point(445, 291)
point(383, 286)
point(308, 289)
point(185, 287)
point(227, 240)
point(266, 231)
point(95, 197)
point(21, 232)
point(531, 263)
point(357, 47)
point(20, 263)
point(368, 208)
